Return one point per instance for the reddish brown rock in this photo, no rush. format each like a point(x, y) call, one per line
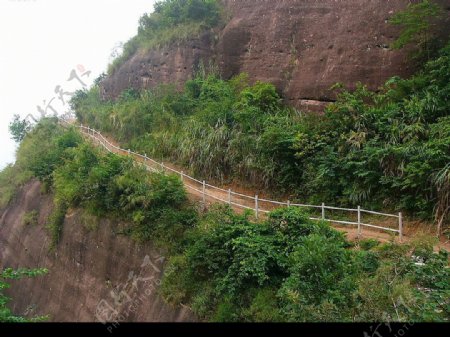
point(302, 46)
point(89, 270)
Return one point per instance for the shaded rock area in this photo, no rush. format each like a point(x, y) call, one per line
point(302, 46)
point(94, 274)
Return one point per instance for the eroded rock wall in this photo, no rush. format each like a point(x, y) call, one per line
point(91, 273)
point(302, 46)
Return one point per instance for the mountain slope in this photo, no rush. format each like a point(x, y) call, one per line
point(303, 47)
point(88, 271)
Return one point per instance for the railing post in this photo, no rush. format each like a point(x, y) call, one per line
point(129, 152)
point(400, 226)
point(204, 192)
point(288, 203)
point(162, 166)
point(359, 221)
point(229, 196)
point(145, 157)
point(323, 211)
point(182, 174)
point(256, 206)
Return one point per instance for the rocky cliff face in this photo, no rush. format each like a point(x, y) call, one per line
point(302, 46)
point(93, 274)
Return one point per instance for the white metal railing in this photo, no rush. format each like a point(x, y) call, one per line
point(241, 200)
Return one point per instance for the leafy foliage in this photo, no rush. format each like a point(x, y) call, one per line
point(289, 268)
point(45, 147)
point(385, 149)
point(227, 268)
point(109, 185)
point(19, 128)
point(220, 129)
point(7, 274)
point(12, 177)
point(417, 21)
point(153, 204)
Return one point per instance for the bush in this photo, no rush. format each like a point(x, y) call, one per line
point(12, 177)
point(368, 244)
point(30, 218)
point(113, 186)
point(321, 272)
point(19, 128)
point(45, 147)
point(387, 149)
point(290, 268)
point(154, 205)
point(263, 307)
point(56, 222)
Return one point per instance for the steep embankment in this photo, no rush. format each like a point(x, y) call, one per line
point(303, 47)
point(88, 270)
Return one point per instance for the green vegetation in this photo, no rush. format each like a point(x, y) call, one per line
point(289, 268)
point(31, 218)
point(417, 22)
point(19, 128)
point(10, 274)
point(105, 185)
point(89, 221)
point(172, 20)
point(45, 148)
point(220, 129)
point(12, 177)
point(385, 150)
point(226, 267)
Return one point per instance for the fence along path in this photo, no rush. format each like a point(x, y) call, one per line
point(260, 206)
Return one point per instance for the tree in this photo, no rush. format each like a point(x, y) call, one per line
point(417, 21)
point(19, 128)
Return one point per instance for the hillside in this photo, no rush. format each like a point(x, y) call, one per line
point(228, 93)
point(302, 47)
point(92, 266)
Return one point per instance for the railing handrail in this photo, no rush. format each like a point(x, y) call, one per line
point(103, 141)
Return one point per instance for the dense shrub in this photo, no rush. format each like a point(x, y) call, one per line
point(108, 185)
point(220, 129)
point(289, 268)
point(228, 268)
point(11, 178)
point(45, 148)
point(387, 149)
point(152, 204)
